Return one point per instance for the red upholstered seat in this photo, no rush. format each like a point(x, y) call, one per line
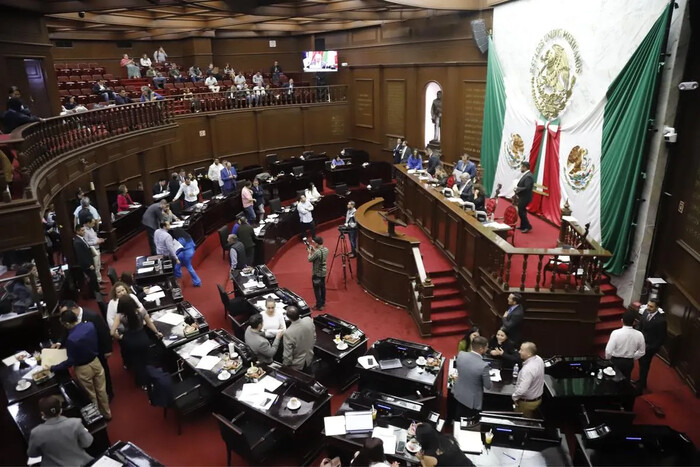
point(510, 217)
point(74, 92)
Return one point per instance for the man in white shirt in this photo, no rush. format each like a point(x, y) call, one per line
point(166, 245)
point(85, 210)
point(94, 242)
point(239, 81)
point(212, 83)
point(304, 207)
point(258, 79)
point(527, 396)
point(625, 345)
point(258, 94)
point(215, 175)
point(145, 61)
point(191, 192)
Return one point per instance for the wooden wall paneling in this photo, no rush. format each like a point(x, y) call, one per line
point(253, 54)
point(395, 107)
point(325, 125)
point(280, 128)
point(440, 223)
point(472, 116)
point(191, 145)
point(364, 102)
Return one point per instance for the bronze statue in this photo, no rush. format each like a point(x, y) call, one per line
point(436, 115)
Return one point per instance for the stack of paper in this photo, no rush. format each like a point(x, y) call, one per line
point(171, 318)
point(334, 426)
point(388, 437)
point(367, 362)
point(144, 270)
point(269, 383)
point(469, 441)
point(495, 375)
point(152, 297)
point(154, 289)
point(11, 360)
point(255, 395)
point(208, 362)
point(52, 357)
point(457, 200)
point(202, 349)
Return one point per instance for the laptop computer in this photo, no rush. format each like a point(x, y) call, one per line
point(390, 364)
point(359, 421)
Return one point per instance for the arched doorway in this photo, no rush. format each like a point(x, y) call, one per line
point(431, 90)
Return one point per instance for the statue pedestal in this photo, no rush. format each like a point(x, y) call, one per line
point(435, 145)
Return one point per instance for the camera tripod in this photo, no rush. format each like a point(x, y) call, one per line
point(344, 256)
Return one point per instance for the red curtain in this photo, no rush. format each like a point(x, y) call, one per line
point(534, 205)
point(550, 205)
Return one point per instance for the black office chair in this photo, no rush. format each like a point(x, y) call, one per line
point(375, 184)
point(341, 189)
point(176, 207)
point(206, 195)
point(223, 240)
point(112, 275)
point(232, 307)
point(248, 437)
point(270, 159)
point(321, 155)
point(275, 205)
point(329, 165)
point(300, 192)
point(298, 170)
point(184, 395)
point(307, 154)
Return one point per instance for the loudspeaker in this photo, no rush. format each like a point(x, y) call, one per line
point(479, 35)
point(319, 43)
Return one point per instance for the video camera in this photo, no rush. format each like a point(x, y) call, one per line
point(343, 228)
point(306, 242)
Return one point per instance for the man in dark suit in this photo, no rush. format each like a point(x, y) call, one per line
point(161, 186)
point(101, 89)
point(398, 150)
point(524, 192)
point(652, 324)
point(151, 220)
point(433, 161)
point(84, 257)
point(288, 88)
point(104, 339)
point(472, 377)
point(513, 318)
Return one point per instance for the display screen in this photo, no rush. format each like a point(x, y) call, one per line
point(320, 61)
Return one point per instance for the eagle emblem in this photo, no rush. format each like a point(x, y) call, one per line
point(579, 169)
point(515, 150)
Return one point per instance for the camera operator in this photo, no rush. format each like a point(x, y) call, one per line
point(350, 227)
point(317, 256)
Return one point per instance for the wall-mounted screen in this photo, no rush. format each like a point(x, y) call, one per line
point(315, 61)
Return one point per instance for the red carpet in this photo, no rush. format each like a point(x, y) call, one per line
point(200, 444)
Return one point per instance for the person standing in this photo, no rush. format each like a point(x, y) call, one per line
point(398, 150)
point(299, 340)
point(84, 258)
point(625, 345)
point(236, 253)
point(513, 317)
point(433, 161)
point(318, 256)
point(524, 192)
point(166, 245)
point(82, 350)
point(472, 377)
point(259, 196)
point(351, 226)
point(248, 201)
point(59, 440)
point(151, 220)
point(246, 234)
point(159, 56)
point(530, 384)
point(228, 179)
point(191, 191)
point(652, 324)
point(306, 218)
point(94, 242)
point(214, 175)
point(104, 340)
point(185, 254)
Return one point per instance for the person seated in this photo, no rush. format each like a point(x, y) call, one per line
point(465, 165)
point(414, 162)
point(312, 193)
point(161, 186)
point(132, 69)
point(16, 116)
point(101, 89)
point(127, 277)
point(195, 73)
point(338, 161)
point(228, 72)
point(258, 79)
point(465, 188)
point(145, 61)
point(500, 347)
point(175, 74)
point(124, 201)
point(255, 339)
point(71, 107)
point(258, 94)
point(288, 88)
point(239, 81)
point(119, 289)
point(212, 83)
point(148, 95)
point(465, 345)
point(371, 454)
point(168, 215)
point(59, 440)
point(122, 98)
point(440, 176)
point(21, 290)
point(159, 80)
point(273, 319)
point(438, 449)
point(479, 197)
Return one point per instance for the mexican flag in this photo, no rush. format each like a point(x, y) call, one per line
point(572, 93)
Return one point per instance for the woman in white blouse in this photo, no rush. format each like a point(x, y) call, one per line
point(118, 290)
point(273, 319)
point(312, 193)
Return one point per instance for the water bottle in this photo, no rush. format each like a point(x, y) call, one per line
point(516, 370)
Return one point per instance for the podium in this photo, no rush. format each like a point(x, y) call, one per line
point(391, 222)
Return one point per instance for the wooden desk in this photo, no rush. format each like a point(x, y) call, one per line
point(301, 426)
point(27, 416)
point(311, 164)
point(338, 365)
point(239, 279)
point(488, 269)
point(499, 398)
point(223, 338)
point(128, 224)
point(11, 375)
point(173, 335)
point(168, 301)
point(385, 265)
point(162, 269)
point(348, 174)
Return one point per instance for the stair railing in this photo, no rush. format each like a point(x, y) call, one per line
point(422, 295)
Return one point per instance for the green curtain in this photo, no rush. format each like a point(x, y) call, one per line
point(627, 114)
point(494, 114)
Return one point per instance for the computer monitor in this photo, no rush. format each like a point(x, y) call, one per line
point(329, 165)
point(207, 194)
point(270, 159)
point(275, 205)
point(298, 170)
point(375, 183)
point(308, 153)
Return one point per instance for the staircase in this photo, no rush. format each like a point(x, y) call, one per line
point(448, 309)
point(610, 313)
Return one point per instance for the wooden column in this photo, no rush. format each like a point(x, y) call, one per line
point(105, 213)
point(42, 266)
point(145, 179)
